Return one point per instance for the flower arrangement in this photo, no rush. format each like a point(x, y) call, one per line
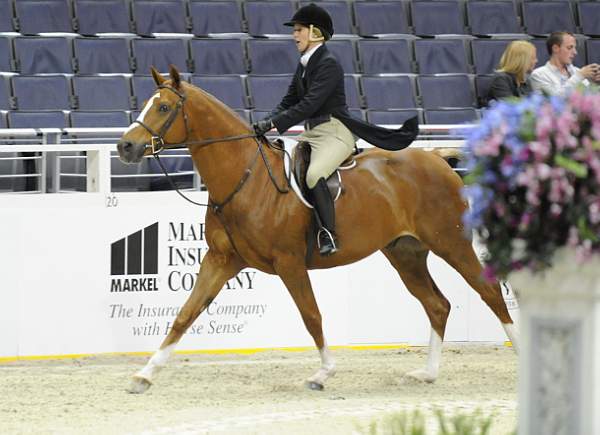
point(534, 180)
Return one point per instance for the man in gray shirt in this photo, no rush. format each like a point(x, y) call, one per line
point(559, 75)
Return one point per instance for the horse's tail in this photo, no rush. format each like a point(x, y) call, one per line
point(451, 155)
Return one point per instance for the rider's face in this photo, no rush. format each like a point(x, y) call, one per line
point(301, 37)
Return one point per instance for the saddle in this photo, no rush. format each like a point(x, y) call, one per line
point(300, 162)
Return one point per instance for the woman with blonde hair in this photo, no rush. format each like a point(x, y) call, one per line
point(511, 78)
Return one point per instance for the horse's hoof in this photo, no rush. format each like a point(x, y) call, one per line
point(315, 386)
point(139, 385)
point(421, 376)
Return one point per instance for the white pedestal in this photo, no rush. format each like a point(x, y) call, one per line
point(559, 363)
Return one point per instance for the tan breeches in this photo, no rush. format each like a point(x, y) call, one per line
point(331, 143)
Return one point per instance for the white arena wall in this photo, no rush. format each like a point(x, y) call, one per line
point(56, 282)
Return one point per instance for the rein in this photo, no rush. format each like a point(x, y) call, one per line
point(158, 145)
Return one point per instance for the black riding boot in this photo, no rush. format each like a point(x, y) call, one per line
point(325, 214)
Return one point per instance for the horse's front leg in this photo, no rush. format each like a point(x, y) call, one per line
point(293, 273)
point(215, 270)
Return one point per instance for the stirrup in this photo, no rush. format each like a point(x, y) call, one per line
point(329, 246)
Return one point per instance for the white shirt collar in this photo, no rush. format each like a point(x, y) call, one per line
point(306, 56)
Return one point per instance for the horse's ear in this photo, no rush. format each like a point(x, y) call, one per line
point(175, 78)
point(158, 79)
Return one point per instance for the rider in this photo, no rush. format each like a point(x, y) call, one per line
point(316, 97)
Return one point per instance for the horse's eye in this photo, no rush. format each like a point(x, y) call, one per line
point(164, 108)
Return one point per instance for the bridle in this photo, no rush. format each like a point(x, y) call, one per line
point(157, 145)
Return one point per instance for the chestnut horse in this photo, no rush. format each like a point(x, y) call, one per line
point(403, 203)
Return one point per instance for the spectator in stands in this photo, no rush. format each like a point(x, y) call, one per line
point(511, 78)
point(316, 97)
point(559, 74)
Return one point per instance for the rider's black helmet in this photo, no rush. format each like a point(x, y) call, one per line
point(315, 15)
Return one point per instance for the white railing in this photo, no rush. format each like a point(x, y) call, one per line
point(99, 143)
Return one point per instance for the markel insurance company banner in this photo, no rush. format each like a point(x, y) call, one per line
point(85, 273)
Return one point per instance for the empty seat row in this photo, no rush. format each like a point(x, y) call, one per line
point(238, 92)
point(120, 119)
point(48, 55)
point(423, 17)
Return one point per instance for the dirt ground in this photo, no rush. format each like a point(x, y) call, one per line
point(262, 393)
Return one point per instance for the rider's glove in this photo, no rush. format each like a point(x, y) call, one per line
point(262, 126)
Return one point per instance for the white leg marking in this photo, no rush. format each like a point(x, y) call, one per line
point(430, 372)
point(513, 335)
point(326, 371)
point(157, 362)
point(143, 113)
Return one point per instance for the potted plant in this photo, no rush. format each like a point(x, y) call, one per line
point(534, 190)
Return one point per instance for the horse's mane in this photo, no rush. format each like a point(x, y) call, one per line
point(219, 104)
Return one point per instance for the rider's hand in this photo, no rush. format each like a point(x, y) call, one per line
point(262, 126)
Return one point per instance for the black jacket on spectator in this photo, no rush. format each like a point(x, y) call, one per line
point(504, 85)
point(321, 92)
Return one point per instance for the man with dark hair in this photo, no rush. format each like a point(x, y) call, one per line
point(559, 74)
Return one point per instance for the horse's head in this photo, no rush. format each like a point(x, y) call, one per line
point(161, 121)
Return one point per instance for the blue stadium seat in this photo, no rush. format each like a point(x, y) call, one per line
point(6, 60)
point(215, 17)
point(257, 115)
point(102, 55)
point(487, 54)
point(437, 17)
point(160, 16)
point(589, 18)
point(99, 119)
point(6, 16)
point(357, 113)
point(339, 11)
point(40, 16)
point(379, 56)
point(102, 93)
point(218, 56)
point(353, 99)
point(445, 91)
point(441, 56)
point(545, 17)
point(41, 92)
point(542, 51)
point(47, 119)
point(4, 94)
point(493, 16)
point(592, 47)
point(394, 92)
point(267, 17)
point(450, 116)
point(381, 17)
point(228, 89)
point(160, 53)
point(244, 114)
point(102, 16)
point(43, 55)
point(343, 50)
point(143, 88)
point(269, 56)
point(482, 88)
point(266, 92)
point(391, 117)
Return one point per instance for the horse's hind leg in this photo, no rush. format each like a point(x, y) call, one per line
point(293, 273)
point(215, 270)
point(409, 258)
point(462, 257)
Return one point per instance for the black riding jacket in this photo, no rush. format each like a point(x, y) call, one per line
point(321, 92)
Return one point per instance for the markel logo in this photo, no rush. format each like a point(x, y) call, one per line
point(132, 259)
